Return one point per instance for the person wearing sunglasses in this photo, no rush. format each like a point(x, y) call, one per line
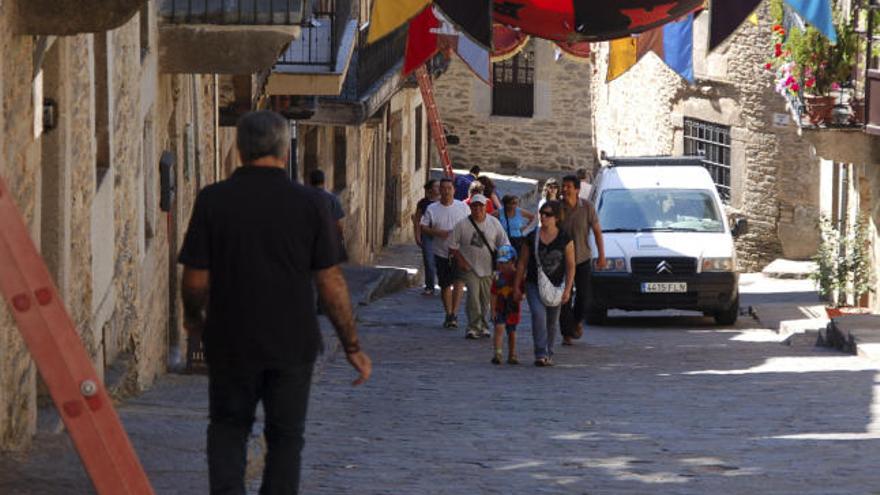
point(550, 250)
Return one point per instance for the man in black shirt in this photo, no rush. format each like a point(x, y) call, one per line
point(425, 242)
point(254, 245)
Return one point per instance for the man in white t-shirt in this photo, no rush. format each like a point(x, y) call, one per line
point(474, 243)
point(439, 220)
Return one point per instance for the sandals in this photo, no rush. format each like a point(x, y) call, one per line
point(512, 360)
point(543, 362)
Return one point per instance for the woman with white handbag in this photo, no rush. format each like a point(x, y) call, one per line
point(547, 264)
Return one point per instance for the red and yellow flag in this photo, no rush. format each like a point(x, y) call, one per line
point(388, 15)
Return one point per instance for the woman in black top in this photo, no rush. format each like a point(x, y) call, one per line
point(556, 253)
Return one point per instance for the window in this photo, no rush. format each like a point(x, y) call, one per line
point(658, 210)
point(712, 142)
point(513, 85)
point(150, 182)
point(418, 151)
point(340, 150)
point(102, 107)
point(144, 22)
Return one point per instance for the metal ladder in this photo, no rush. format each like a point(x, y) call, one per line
point(437, 133)
point(52, 340)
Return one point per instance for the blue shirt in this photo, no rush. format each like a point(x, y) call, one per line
point(462, 185)
point(514, 225)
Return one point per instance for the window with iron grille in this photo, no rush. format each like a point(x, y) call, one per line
point(513, 85)
point(712, 142)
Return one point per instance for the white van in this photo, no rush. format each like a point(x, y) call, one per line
point(667, 240)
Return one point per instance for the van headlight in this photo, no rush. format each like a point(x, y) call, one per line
point(612, 265)
point(718, 265)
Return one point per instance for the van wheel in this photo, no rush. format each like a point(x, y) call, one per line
point(596, 316)
point(728, 315)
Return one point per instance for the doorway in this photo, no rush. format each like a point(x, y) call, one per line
point(393, 175)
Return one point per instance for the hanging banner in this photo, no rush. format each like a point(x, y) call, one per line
point(507, 42)
point(673, 43)
point(472, 17)
point(388, 15)
point(577, 51)
point(421, 42)
point(590, 20)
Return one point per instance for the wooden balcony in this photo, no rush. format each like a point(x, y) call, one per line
point(69, 17)
point(225, 36)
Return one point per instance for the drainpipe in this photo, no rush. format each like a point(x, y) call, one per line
point(216, 127)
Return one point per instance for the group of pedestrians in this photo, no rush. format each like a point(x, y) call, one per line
point(502, 254)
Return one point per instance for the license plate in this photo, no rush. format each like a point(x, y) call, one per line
point(664, 287)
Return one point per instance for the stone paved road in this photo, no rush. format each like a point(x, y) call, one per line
point(645, 405)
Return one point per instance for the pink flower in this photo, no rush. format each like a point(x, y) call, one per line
point(778, 49)
point(835, 86)
point(810, 83)
point(795, 87)
point(768, 66)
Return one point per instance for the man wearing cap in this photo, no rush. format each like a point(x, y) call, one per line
point(473, 243)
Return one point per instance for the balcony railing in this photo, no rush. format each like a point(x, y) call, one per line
point(319, 41)
point(232, 12)
point(376, 59)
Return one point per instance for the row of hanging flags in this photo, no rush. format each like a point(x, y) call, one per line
point(486, 31)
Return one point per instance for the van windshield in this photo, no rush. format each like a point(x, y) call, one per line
point(659, 210)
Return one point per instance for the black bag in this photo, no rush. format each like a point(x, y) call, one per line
point(568, 324)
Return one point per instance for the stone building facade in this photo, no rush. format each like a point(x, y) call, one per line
point(377, 169)
point(774, 174)
point(87, 182)
point(557, 136)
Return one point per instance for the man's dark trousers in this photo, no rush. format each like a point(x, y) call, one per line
point(578, 308)
point(233, 393)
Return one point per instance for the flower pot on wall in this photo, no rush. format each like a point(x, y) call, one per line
point(819, 108)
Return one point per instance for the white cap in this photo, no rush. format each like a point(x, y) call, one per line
point(479, 198)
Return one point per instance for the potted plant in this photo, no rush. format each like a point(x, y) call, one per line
point(821, 67)
point(843, 266)
point(808, 66)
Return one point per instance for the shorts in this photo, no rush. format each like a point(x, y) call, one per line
point(506, 311)
point(447, 272)
point(508, 328)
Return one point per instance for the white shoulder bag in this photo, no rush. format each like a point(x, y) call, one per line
point(551, 295)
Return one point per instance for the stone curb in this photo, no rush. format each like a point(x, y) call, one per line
point(787, 319)
point(856, 334)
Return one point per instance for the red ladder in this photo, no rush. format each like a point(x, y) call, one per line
point(50, 336)
point(437, 132)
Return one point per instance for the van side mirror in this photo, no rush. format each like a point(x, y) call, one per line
point(740, 227)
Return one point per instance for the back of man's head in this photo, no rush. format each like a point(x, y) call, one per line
point(581, 173)
point(261, 134)
point(475, 170)
point(316, 178)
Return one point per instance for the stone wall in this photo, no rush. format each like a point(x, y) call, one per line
point(96, 218)
point(19, 168)
point(774, 174)
point(557, 138)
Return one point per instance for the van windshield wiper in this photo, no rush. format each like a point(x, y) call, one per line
point(620, 230)
point(671, 229)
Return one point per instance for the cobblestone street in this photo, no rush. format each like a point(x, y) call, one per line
point(644, 405)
